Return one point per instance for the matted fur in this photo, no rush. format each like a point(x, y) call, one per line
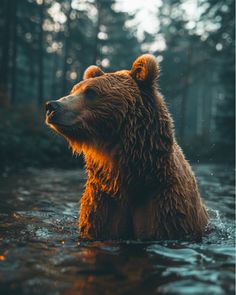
point(139, 184)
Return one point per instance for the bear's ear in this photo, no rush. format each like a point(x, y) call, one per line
point(145, 69)
point(92, 72)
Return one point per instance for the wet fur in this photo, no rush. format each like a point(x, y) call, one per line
point(139, 184)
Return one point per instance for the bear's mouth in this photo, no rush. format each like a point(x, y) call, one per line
point(49, 115)
point(53, 119)
point(50, 118)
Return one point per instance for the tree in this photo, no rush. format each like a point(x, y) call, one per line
point(180, 62)
point(115, 44)
point(5, 49)
point(41, 54)
point(67, 45)
point(14, 51)
point(50, 54)
point(222, 44)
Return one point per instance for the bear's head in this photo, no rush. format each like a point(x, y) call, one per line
point(105, 107)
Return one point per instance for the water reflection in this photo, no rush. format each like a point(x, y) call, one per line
point(40, 252)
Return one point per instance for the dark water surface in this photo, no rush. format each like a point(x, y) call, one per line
point(40, 252)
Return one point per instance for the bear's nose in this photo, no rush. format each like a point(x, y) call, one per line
point(52, 105)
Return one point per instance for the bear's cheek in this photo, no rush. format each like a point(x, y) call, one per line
point(64, 118)
point(83, 119)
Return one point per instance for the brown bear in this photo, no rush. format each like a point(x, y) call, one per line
point(139, 184)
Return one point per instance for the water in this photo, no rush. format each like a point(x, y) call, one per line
point(40, 252)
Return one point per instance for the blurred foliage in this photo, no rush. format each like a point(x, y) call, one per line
point(26, 141)
point(46, 45)
point(198, 76)
point(225, 115)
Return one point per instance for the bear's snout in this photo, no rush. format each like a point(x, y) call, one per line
point(52, 105)
point(58, 114)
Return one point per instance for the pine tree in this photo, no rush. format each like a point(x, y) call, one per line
point(115, 44)
point(223, 47)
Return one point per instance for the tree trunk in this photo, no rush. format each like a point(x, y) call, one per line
point(41, 55)
point(54, 86)
point(97, 30)
point(5, 54)
point(14, 53)
point(185, 96)
point(66, 52)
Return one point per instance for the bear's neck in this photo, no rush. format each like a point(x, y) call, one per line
point(142, 157)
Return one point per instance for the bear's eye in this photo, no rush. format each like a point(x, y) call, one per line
point(90, 93)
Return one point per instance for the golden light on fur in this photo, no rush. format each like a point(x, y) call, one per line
point(139, 184)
